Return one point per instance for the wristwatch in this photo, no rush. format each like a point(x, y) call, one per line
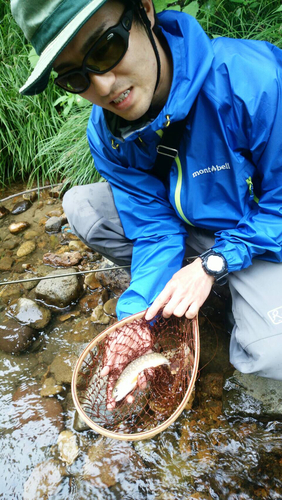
point(215, 265)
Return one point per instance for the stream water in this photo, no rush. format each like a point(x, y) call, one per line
point(204, 455)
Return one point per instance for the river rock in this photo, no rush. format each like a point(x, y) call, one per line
point(50, 387)
point(98, 316)
point(26, 248)
point(21, 206)
point(29, 406)
point(78, 423)
point(3, 211)
point(30, 234)
point(18, 227)
point(117, 280)
point(92, 282)
point(6, 263)
point(30, 313)
point(67, 446)
point(55, 213)
point(67, 259)
point(60, 292)
point(252, 396)
point(53, 225)
point(14, 337)
point(31, 196)
point(10, 244)
point(91, 301)
point(11, 292)
point(62, 367)
point(78, 245)
point(56, 191)
point(110, 307)
point(44, 480)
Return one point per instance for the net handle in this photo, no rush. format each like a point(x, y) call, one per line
point(145, 434)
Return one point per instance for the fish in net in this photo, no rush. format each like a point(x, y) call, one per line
point(165, 389)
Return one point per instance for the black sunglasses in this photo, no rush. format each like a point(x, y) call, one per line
point(105, 54)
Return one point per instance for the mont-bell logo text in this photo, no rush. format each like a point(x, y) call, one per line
point(211, 170)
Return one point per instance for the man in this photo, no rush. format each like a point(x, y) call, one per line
point(223, 197)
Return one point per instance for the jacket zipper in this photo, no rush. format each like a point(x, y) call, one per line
point(178, 192)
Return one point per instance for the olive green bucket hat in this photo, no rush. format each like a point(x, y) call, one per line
point(49, 25)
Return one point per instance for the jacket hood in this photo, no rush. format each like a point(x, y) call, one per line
point(192, 56)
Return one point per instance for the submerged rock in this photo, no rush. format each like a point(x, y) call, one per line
point(30, 406)
point(6, 263)
point(91, 301)
point(53, 225)
point(50, 387)
point(30, 313)
point(67, 445)
point(67, 259)
point(60, 292)
point(78, 423)
point(21, 207)
point(110, 307)
point(252, 396)
point(3, 211)
point(62, 367)
point(14, 337)
point(26, 248)
point(98, 316)
point(44, 480)
point(18, 227)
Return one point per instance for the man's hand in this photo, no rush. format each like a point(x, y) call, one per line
point(185, 293)
point(125, 345)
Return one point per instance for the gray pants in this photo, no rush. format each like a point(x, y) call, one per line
point(256, 340)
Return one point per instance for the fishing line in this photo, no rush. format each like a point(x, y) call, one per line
point(62, 275)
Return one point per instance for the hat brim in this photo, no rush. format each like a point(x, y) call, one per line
point(39, 77)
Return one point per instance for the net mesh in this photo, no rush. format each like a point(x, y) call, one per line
point(166, 385)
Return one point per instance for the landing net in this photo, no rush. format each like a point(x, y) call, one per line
point(168, 386)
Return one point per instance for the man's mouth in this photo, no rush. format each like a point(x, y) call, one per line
point(122, 96)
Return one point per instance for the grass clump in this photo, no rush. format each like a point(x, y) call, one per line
point(43, 138)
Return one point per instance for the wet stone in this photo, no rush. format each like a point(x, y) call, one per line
point(92, 282)
point(55, 213)
point(10, 292)
point(30, 234)
point(78, 423)
point(50, 387)
point(3, 211)
point(110, 307)
point(6, 263)
point(53, 225)
point(44, 480)
point(21, 206)
point(10, 244)
point(91, 301)
point(31, 196)
point(59, 292)
point(78, 245)
point(98, 316)
point(30, 406)
point(26, 248)
point(68, 315)
point(14, 337)
point(18, 227)
point(211, 385)
point(252, 396)
point(62, 367)
point(56, 191)
point(117, 279)
point(30, 313)
point(67, 446)
point(67, 259)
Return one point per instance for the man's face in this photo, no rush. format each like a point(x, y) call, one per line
point(128, 89)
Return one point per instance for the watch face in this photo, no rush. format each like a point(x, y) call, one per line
point(215, 263)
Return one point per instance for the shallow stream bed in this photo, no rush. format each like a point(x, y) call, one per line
point(206, 454)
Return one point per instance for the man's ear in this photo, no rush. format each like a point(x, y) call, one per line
point(150, 11)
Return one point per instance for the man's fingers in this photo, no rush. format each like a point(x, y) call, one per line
point(159, 302)
point(192, 311)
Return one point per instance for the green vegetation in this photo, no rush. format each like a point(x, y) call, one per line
point(42, 138)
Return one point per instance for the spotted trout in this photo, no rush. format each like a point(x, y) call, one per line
point(128, 378)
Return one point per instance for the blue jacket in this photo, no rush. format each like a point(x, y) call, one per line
point(228, 177)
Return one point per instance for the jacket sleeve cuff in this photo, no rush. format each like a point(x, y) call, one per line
point(236, 254)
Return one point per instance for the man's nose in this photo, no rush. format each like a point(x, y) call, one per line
point(102, 83)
